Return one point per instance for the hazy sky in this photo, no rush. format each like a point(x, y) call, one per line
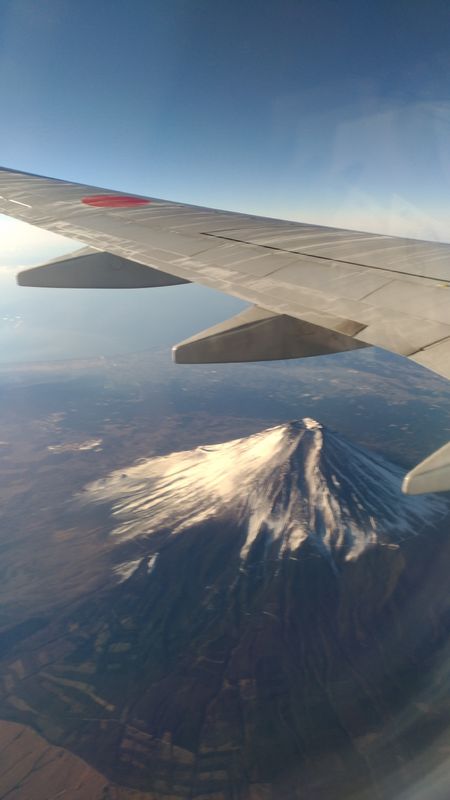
point(331, 111)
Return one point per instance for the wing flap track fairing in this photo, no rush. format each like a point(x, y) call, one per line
point(260, 335)
point(95, 269)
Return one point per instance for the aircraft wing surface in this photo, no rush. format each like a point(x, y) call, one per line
point(313, 289)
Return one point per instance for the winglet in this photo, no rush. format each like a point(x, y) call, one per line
point(431, 475)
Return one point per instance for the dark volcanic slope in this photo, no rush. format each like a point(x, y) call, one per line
point(274, 628)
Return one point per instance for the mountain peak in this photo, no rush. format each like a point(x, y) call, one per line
point(284, 485)
point(311, 424)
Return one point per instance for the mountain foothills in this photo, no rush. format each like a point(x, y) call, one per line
point(274, 627)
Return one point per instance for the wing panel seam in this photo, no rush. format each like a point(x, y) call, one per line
point(324, 258)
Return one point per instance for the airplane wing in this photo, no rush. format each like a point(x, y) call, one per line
point(313, 289)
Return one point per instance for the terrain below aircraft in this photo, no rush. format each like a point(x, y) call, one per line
point(314, 290)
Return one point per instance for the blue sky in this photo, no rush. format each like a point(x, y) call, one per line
point(329, 111)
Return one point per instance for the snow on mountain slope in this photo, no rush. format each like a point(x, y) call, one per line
point(291, 482)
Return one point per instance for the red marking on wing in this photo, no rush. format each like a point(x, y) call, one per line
point(114, 201)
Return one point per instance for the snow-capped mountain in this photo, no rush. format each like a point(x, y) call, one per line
point(276, 626)
point(289, 483)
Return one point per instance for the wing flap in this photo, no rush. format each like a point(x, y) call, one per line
point(436, 357)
